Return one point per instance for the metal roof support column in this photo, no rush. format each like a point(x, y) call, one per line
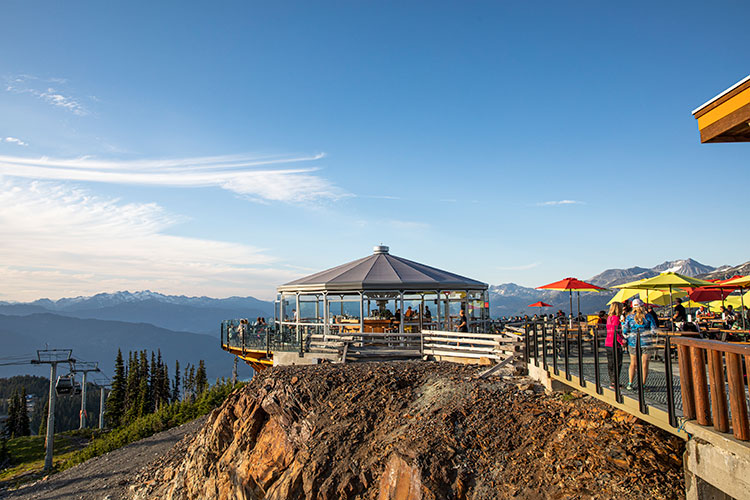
point(325, 316)
point(296, 318)
point(401, 306)
point(361, 312)
point(438, 311)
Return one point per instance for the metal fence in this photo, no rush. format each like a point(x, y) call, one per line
point(579, 352)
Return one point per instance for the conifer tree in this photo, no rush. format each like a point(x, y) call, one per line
point(4, 453)
point(176, 383)
point(201, 380)
point(165, 392)
point(43, 422)
point(131, 388)
point(23, 427)
point(115, 410)
point(11, 425)
point(144, 396)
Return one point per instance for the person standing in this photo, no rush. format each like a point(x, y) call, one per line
point(638, 322)
point(463, 324)
point(614, 343)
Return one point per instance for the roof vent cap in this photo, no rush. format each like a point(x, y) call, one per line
point(380, 249)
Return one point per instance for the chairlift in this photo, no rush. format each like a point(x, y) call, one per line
point(66, 384)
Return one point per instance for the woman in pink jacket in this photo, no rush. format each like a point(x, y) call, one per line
point(614, 331)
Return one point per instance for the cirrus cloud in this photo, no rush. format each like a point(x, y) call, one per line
point(260, 178)
point(60, 240)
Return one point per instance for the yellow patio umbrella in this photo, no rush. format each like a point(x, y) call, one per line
point(742, 282)
point(623, 295)
point(662, 297)
point(667, 281)
point(691, 304)
point(733, 300)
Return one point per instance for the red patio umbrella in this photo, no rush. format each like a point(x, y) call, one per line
point(540, 305)
point(572, 285)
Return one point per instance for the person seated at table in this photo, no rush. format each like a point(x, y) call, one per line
point(730, 317)
point(428, 315)
point(409, 314)
point(602, 319)
point(702, 313)
point(680, 315)
point(637, 322)
point(650, 311)
point(397, 317)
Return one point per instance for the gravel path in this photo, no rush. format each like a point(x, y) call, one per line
point(108, 476)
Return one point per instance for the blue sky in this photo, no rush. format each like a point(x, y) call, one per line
point(224, 149)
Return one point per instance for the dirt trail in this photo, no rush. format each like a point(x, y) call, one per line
point(109, 476)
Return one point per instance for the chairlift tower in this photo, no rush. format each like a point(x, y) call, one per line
point(51, 357)
point(102, 389)
point(84, 367)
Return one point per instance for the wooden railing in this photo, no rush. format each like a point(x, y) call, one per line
point(470, 345)
point(696, 386)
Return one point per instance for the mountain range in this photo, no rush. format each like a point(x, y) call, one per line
point(98, 340)
point(172, 312)
point(510, 299)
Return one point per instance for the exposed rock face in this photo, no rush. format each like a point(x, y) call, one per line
point(398, 431)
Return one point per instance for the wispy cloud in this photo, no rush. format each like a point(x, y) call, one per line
point(47, 90)
point(524, 267)
point(559, 203)
point(260, 178)
point(15, 140)
point(60, 240)
point(409, 225)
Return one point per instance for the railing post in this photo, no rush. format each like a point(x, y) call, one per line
point(670, 387)
point(639, 373)
point(544, 345)
point(597, 375)
point(718, 392)
point(526, 343)
point(536, 345)
point(700, 384)
point(554, 349)
point(581, 381)
point(567, 353)
point(740, 427)
point(616, 357)
point(686, 382)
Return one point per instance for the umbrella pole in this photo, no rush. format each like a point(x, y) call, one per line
point(571, 308)
point(671, 307)
point(742, 306)
point(578, 294)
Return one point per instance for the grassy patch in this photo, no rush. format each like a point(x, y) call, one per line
point(27, 454)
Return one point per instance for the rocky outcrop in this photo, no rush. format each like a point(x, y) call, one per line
point(411, 430)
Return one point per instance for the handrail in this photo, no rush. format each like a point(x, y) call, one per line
point(696, 386)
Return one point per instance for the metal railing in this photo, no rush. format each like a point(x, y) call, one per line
point(550, 344)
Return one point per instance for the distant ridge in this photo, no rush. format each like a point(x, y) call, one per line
point(511, 299)
point(173, 312)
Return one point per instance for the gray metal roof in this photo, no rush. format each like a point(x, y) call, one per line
point(384, 272)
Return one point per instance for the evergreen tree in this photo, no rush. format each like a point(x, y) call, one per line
point(11, 426)
point(22, 425)
point(144, 391)
point(115, 405)
point(201, 380)
point(131, 388)
point(153, 383)
point(43, 421)
point(4, 453)
point(176, 383)
point(165, 392)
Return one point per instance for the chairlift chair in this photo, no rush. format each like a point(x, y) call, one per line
point(65, 384)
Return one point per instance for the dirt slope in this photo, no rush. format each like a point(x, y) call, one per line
point(414, 430)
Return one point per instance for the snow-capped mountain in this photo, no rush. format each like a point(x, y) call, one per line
point(724, 272)
point(688, 267)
